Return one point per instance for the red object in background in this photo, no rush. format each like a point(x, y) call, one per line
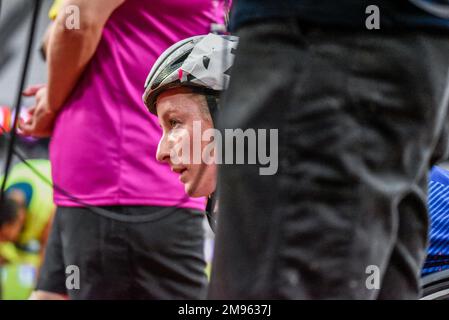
point(5, 119)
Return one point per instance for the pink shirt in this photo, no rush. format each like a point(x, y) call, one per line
point(103, 149)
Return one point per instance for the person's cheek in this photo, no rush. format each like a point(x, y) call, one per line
point(178, 144)
point(190, 146)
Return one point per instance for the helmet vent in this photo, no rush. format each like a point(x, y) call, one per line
point(206, 62)
point(167, 71)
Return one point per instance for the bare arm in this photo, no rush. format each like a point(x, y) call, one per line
point(45, 39)
point(68, 53)
point(70, 50)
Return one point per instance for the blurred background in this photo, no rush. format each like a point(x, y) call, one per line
point(18, 279)
point(15, 20)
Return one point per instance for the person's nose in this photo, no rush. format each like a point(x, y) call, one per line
point(163, 150)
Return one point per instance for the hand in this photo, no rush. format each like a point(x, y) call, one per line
point(42, 118)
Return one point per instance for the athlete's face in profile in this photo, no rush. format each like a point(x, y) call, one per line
point(184, 118)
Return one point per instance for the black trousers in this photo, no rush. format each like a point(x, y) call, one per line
point(361, 118)
point(159, 259)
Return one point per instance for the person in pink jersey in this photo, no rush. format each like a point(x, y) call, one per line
point(123, 219)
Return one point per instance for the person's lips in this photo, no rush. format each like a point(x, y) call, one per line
point(180, 171)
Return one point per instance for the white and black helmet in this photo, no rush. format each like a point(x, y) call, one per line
point(202, 63)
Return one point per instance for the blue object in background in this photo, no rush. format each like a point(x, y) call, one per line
point(438, 204)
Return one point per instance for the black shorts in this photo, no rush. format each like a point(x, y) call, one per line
point(161, 259)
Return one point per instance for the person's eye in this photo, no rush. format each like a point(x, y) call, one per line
point(173, 123)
